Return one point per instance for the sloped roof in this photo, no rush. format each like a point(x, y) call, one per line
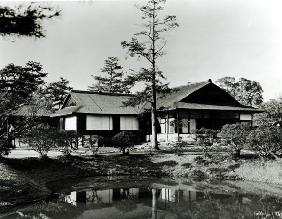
point(178, 93)
point(97, 103)
point(107, 103)
point(29, 110)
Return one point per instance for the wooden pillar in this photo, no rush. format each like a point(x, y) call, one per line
point(167, 126)
point(177, 125)
point(189, 131)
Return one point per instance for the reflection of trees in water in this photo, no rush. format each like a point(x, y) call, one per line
point(164, 202)
point(211, 205)
point(125, 198)
point(125, 205)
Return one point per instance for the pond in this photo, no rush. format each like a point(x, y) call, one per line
point(149, 198)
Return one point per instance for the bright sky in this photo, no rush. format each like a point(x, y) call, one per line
point(216, 38)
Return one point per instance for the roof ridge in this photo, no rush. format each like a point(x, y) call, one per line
point(192, 84)
point(101, 93)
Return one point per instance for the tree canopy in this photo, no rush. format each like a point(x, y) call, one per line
point(25, 20)
point(56, 91)
point(245, 91)
point(272, 114)
point(22, 80)
point(113, 79)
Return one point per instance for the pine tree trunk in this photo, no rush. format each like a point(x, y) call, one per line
point(154, 140)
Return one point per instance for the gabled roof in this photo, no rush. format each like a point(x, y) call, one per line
point(96, 103)
point(176, 99)
point(178, 93)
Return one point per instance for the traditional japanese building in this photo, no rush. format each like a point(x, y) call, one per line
point(180, 112)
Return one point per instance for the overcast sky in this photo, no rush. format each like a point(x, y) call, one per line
point(216, 38)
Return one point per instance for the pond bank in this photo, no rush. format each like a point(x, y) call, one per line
point(24, 180)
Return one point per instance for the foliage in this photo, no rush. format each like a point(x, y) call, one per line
point(22, 81)
point(17, 86)
point(245, 91)
point(265, 140)
point(187, 165)
point(42, 138)
point(124, 140)
point(113, 81)
point(198, 175)
point(170, 163)
point(148, 44)
point(5, 146)
point(56, 91)
point(30, 116)
point(235, 135)
point(272, 114)
point(179, 147)
point(206, 138)
point(92, 142)
point(25, 20)
point(199, 160)
point(67, 140)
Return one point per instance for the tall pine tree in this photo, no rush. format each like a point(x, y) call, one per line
point(113, 81)
point(56, 91)
point(149, 44)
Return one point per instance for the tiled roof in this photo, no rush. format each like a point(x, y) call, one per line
point(106, 103)
point(29, 110)
point(98, 103)
point(178, 93)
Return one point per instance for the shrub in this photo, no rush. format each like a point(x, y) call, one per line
point(265, 140)
point(67, 140)
point(124, 140)
point(198, 175)
point(206, 138)
point(186, 165)
point(42, 138)
point(199, 160)
point(170, 163)
point(235, 135)
point(93, 142)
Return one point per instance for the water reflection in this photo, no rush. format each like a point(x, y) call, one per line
point(176, 203)
point(156, 203)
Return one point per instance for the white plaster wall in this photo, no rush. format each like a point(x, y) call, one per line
point(129, 123)
point(245, 116)
point(70, 123)
point(99, 122)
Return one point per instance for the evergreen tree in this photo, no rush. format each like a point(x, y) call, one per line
point(113, 81)
point(22, 81)
point(25, 20)
point(17, 86)
point(57, 91)
point(22, 21)
point(149, 44)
